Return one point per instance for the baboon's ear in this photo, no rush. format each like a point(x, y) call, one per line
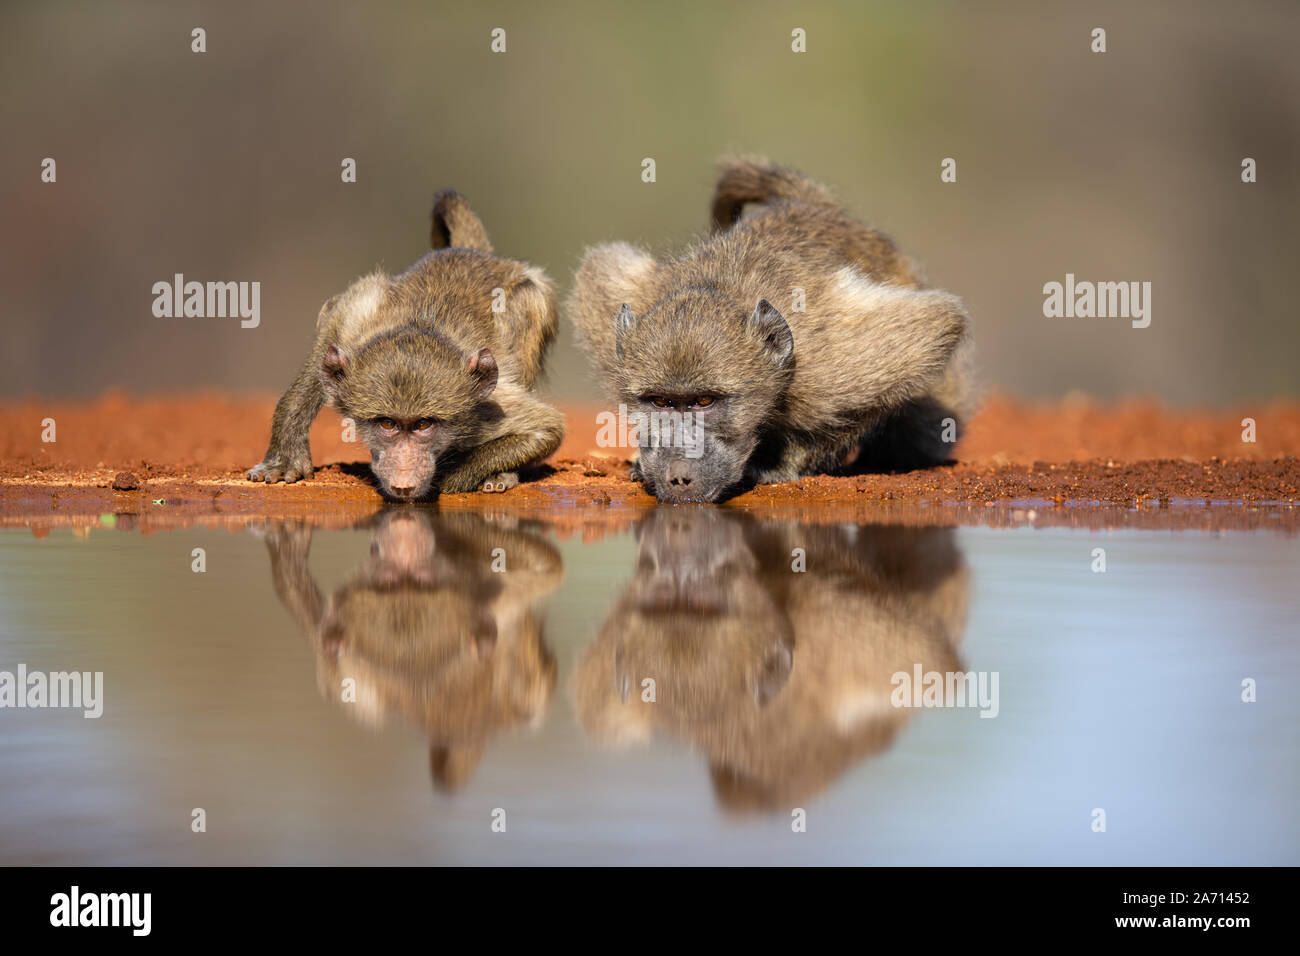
point(623, 323)
point(334, 368)
point(773, 331)
point(482, 368)
point(455, 224)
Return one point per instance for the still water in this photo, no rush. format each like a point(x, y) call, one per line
point(695, 685)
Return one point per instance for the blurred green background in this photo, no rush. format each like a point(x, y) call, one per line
point(225, 166)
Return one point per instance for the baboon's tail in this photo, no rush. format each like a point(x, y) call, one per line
point(742, 181)
point(455, 224)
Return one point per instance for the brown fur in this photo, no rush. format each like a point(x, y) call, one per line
point(422, 346)
point(873, 351)
point(428, 631)
point(781, 679)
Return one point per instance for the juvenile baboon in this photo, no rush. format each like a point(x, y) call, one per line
point(434, 365)
point(802, 339)
point(437, 626)
point(782, 679)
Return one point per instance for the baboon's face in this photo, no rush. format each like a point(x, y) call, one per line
point(696, 616)
point(428, 633)
point(693, 451)
point(407, 598)
point(697, 622)
point(689, 558)
point(404, 454)
point(412, 397)
point(703, 378)
point(403, 551)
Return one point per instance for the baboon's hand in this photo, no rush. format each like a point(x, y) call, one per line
point(501, 482)
point(634, 473)
point(282, 466)
point(291, 536)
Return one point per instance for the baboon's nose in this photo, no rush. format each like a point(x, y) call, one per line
point(679, 474)
point(403, 492)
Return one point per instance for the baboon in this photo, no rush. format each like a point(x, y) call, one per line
point(428, 630)
point(783, 680)
point(434, 365)
point(860, 366)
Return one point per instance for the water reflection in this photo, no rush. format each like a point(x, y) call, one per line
point(780, 677)
point(427, 630)
point(768, 646)
point(1121, 690)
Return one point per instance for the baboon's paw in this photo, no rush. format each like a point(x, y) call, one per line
point(499, 483)
point(280, 468)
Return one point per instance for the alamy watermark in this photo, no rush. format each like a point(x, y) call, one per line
point(75, 908)
point(1098, 300)
point(658, 429)
point(73, 689)
point(949, 689)
point(211, 300)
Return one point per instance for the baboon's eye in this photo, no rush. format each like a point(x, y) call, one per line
point(658, 401)
point(423, 425)
point(703, 401)
point(387, 424)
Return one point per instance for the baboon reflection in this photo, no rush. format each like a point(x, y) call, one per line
point(428, 630)
point(782, 678)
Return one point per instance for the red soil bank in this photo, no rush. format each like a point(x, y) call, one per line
point(189, 453)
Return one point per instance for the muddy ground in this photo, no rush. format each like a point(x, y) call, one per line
point(163, 460)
